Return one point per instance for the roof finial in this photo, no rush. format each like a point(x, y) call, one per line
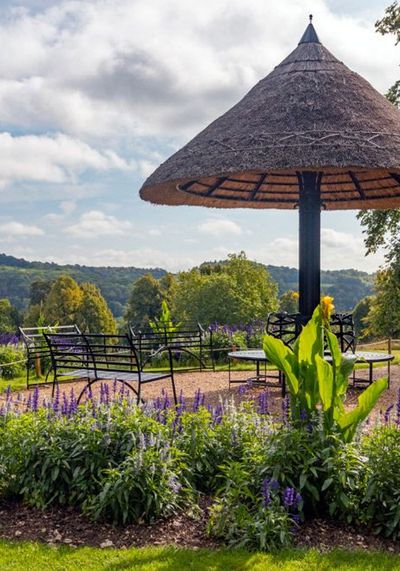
point(310, 35)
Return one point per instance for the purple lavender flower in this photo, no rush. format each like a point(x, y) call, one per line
point(242, 390)
point(56, 401)
point(65, 404)
point(35, 400)
point(291, 498)
point(266, 491)
point(398, 408)
point(198, 400)
point(73, 405)
point(387, 413)
point(285, 410)
point(263, 407)
point(218, 413)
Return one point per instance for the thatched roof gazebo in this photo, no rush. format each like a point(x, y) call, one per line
point(311, 135)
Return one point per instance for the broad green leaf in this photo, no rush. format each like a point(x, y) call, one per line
point(334, 349)
point(282, 357)
point(325, 381)
point(349, 421)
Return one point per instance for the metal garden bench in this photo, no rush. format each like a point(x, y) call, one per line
point(189, 338)
point(100, 357)
point(38, 355)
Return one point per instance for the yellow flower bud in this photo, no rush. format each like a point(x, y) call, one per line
point(327, 307)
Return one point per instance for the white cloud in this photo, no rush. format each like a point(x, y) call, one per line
point(56, 159)
point(16, 230)
point(169, 69)
point(94, 223)
point(219, 227)
point(338, 250)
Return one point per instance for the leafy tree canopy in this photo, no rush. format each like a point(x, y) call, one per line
point(9, 317)
point(144, 303)
point(233, 291)
point(93, 314)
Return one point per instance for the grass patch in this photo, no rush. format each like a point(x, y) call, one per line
point(36, 557)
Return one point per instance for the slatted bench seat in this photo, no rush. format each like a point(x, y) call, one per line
point(99, 357)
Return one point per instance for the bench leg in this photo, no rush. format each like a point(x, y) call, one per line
point(174, 389)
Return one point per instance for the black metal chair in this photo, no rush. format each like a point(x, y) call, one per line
point(342, 325)
point(101, 357)
point(284, 326)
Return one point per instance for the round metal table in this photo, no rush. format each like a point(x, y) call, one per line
point(258, 357)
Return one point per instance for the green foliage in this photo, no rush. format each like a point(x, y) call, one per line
point(9, 354)
point(314, 383)
point(144, 302)
point(289, 302)
point(384, 315)
point(390, 23)
point(63, 302)
point(242, 517)
point(9, 317)
point(164, 324)
point(360, 317)
point(93, 314)
point(144, 487)
point(381, 499)
point(234, 291)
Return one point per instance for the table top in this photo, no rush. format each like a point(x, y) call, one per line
point(361, 356)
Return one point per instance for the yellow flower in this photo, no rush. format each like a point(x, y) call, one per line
point(295, 295)
point(327, 307)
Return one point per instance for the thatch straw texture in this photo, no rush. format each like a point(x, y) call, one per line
point(310, 113)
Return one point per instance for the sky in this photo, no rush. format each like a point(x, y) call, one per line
point(95, 94)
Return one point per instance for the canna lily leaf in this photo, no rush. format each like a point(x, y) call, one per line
point(325, 381)
point(349, 421)
point(283, 358)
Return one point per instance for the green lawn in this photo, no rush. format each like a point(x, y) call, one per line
point(35, 557)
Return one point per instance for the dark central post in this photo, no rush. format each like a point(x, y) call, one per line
point(309, 243)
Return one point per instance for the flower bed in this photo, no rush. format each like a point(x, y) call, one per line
point(117, 462)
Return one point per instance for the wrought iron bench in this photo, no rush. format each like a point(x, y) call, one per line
point(37, 349)
point(100, 357)
point(189, 338)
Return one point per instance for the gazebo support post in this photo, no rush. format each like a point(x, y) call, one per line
point(309, 243)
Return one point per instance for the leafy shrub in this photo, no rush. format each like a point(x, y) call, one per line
point(251, 515)
point(381, 500)
point(225, 339)
point(147, 485)
point(17, 357)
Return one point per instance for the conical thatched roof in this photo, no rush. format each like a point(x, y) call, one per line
point(310, 113)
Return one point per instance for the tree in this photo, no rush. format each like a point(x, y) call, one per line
point(360, 317)
point(144, 302)
point(289, 301)
point(63, 302)
point(384, 315)
point(39, 290)
point(9, 317)
point(93, 314)
point(382, 227)
point(236, 291)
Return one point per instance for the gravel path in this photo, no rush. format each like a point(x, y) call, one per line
point(215, 386)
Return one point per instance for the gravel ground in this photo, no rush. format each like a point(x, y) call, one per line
point(215, 386)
